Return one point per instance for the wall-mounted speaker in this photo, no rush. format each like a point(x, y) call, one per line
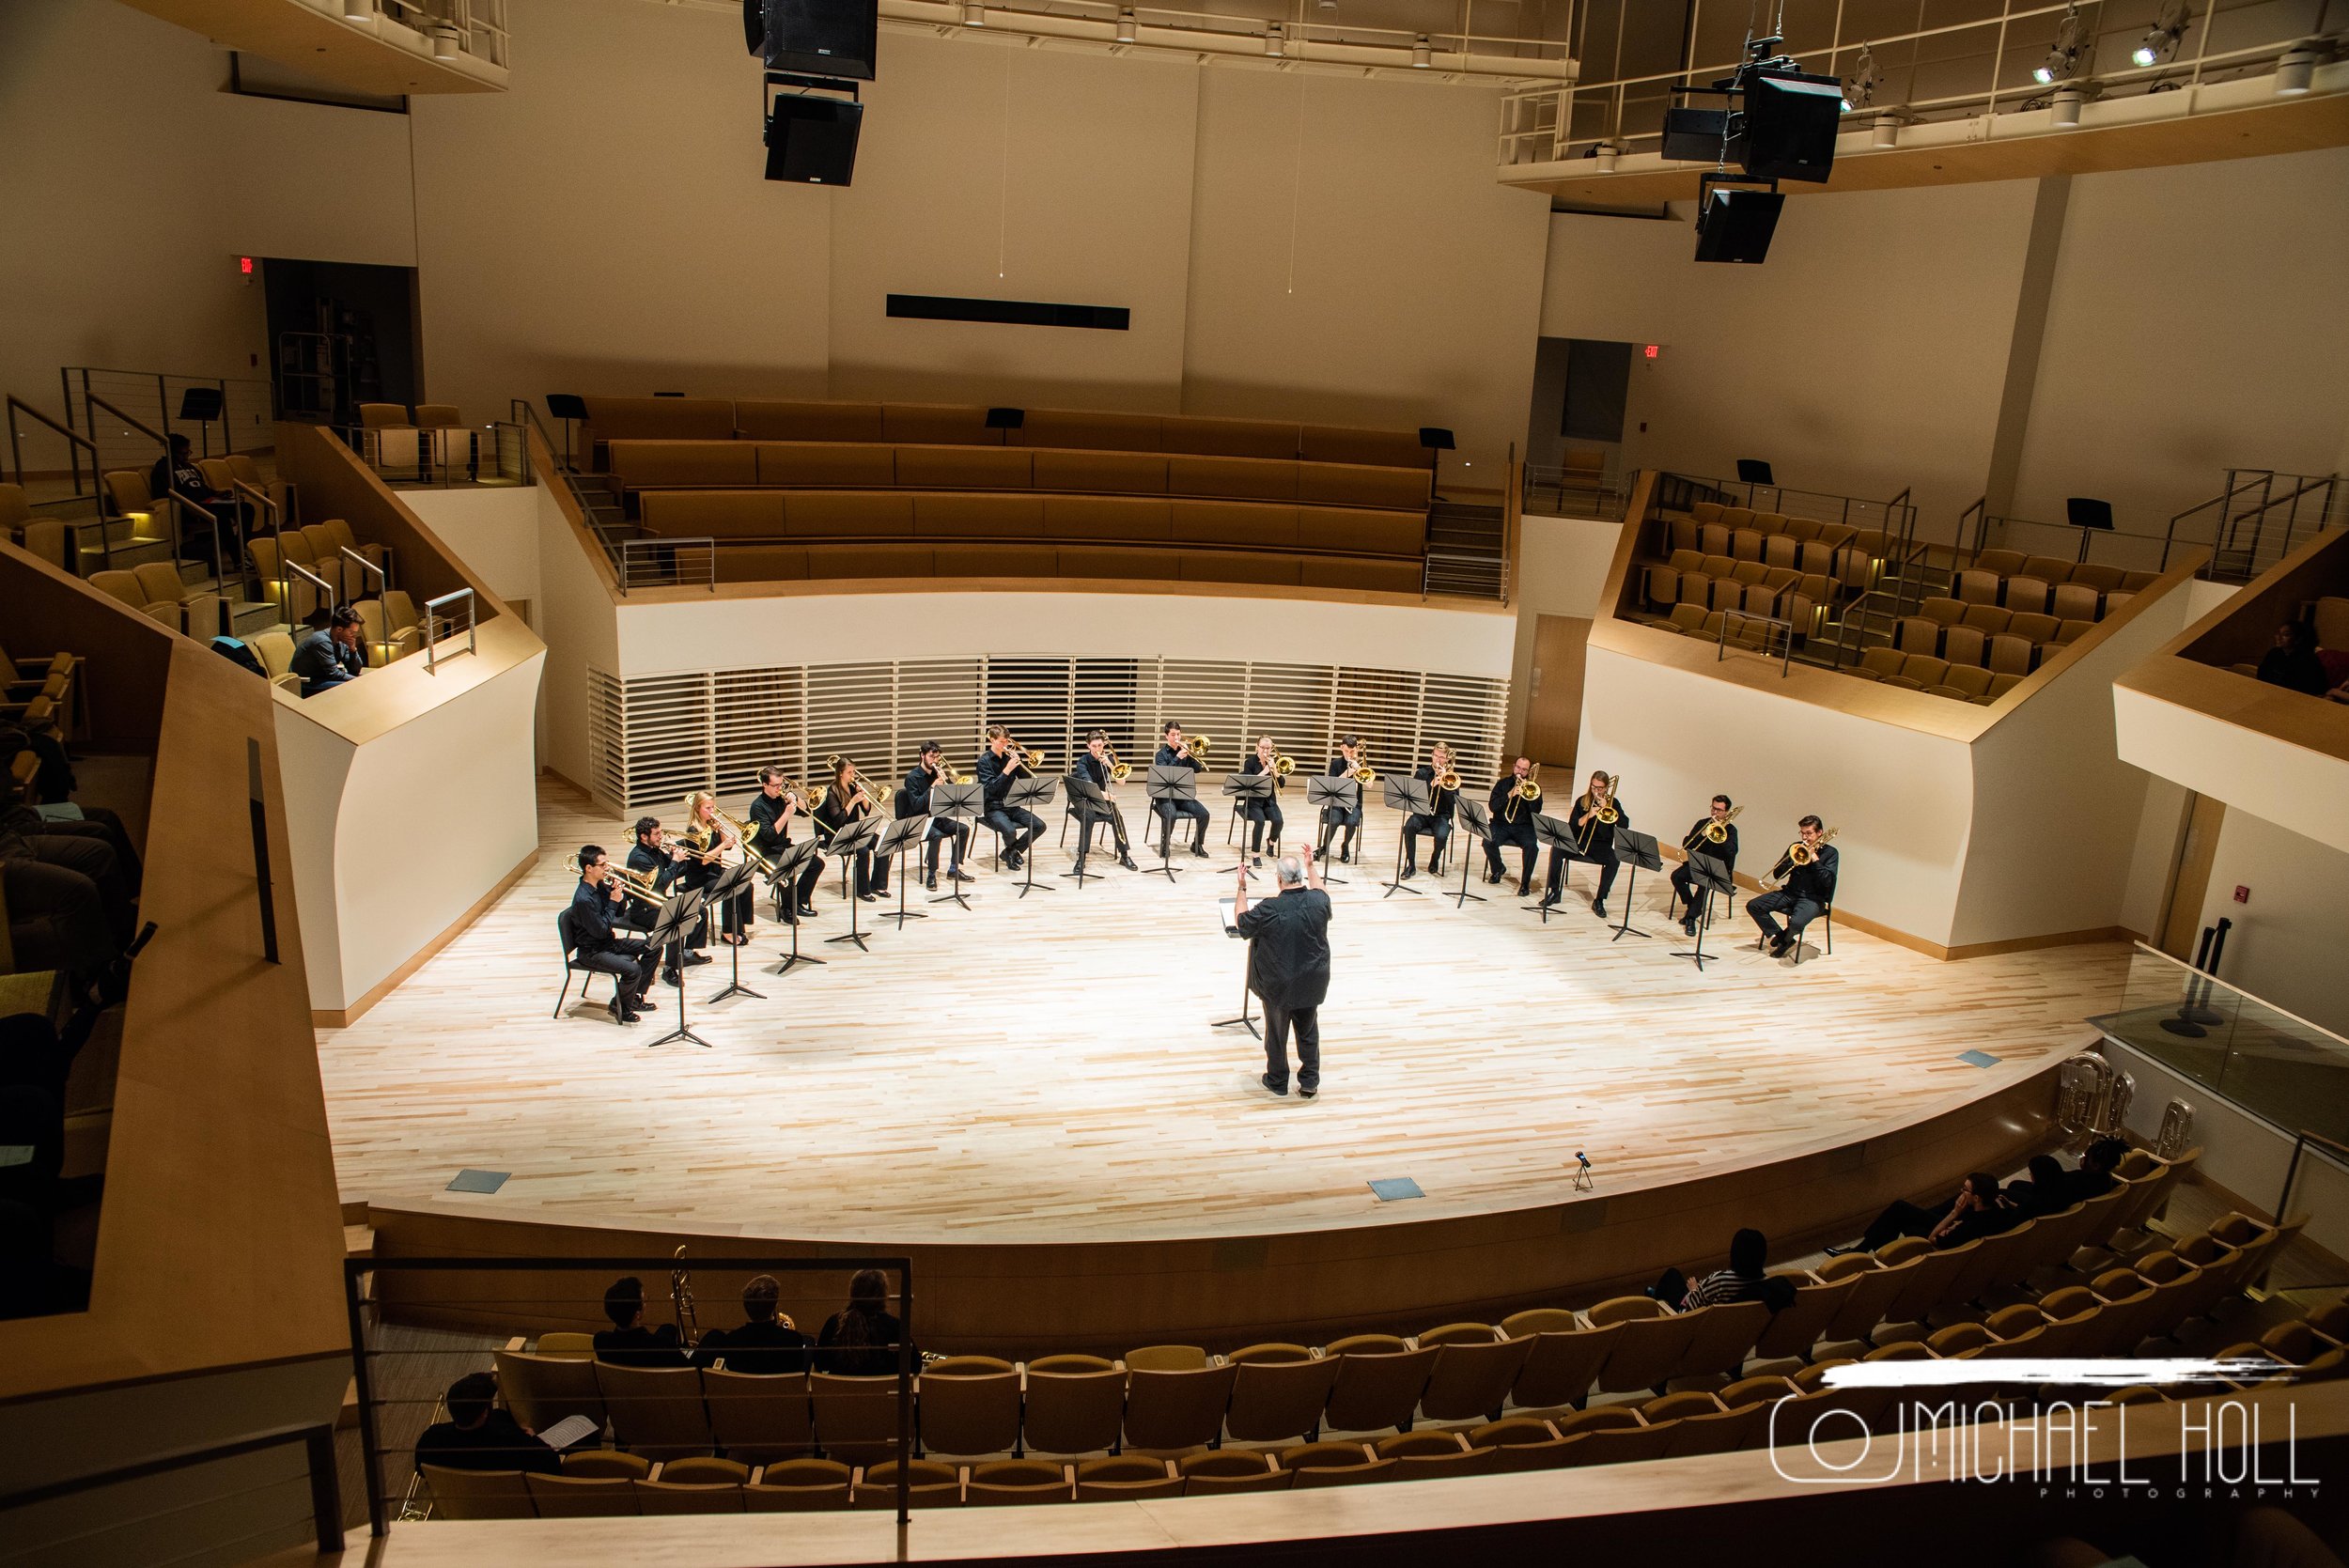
point(812, 141)
point(823, 38)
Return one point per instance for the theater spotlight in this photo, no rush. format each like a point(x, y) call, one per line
point(1275, 41)
point(1422, 56)
point(1860, 90)
point(2063, 56)
point(973, 14)
point(2161, 38)
point(2296, 69)
point(1126, 26)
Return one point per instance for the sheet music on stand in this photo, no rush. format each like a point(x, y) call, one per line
point(1245, 788)
point(1025, 793)
point(676, 916)
point(729, 882)
point(861, 832)
point(1554, 834)
point(1324, 793)
point(1711, 875)
point(1636, 850)
point(896, 841)
point(1412, 797)
point(1093, 805)
point(1167, 783)
point(1227, 911)
point(957, 803)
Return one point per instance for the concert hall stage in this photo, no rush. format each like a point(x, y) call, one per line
point(1027, 1097)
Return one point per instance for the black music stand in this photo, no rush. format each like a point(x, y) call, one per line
point(861, 832)
point(1024, 793)
point(785, 883)
point(1168, 782)
point(1711, 875)
point(1340, 792)
point(1086, 795)
point(670, 926)
point(1225, 907)
point(728, 882)
point(1472, 823)
point(958, 803)
point(896, 841)
point(1412, 799)
point(1245, 789)
point(1636, 850)
point(1553, 833)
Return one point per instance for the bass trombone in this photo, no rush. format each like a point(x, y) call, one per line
point(1282, 765)
point(1119, 771)
point(1797, 854)
point(1529, 788)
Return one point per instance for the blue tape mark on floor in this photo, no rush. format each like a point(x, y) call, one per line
point(1977, 1059)
point(1387, 1190)
point(470, 1180)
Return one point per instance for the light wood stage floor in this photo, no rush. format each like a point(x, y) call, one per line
point(1041, 1073)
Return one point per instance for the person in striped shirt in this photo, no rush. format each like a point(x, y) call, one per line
point(1744, 1279)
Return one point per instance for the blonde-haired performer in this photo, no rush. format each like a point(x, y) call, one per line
point(710, 841)
point(1437, 823)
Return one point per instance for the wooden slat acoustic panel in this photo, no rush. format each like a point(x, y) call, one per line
point(654, 737)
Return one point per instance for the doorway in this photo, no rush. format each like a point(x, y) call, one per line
point(1581, 393)
point(1553, 699)
point(341, 333)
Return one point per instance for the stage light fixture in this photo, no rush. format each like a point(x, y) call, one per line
point(1422, 56)
point(1275, 42)
point(2161, 38)
point(1126, 26)
point(1606, 153)
point(446, 43)
point(1887, 132)
point(2063, 56)
point(973, 14)
point(2296, 69)
point(1860, 91)
point(2063, 108)
point(358, 11)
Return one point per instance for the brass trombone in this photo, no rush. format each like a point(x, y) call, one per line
point(1448, 779)
point(1119, 771)
point(1282, 765)
point(640, 882)
point(1364, 773)
point(1717, 832)
point(742, 833)
point(1797, 854)
point(681, 1299)
point(1607, 812)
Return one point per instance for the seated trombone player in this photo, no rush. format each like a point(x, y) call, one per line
point(1805, 879)
point(1266, 813)
point(771, 812)
point(1443, 780)
point(1175, 751)
point(845, 800)
point(1515, 801)
point(594, 901)
point(709, 838)
point(1348, 763)
point(914, 800)
point(655, 867)
point(1593, 821)
point(1000, 765)
point(1098, 766)
point(1713, 834)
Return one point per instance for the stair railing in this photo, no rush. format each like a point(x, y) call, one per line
point(76, 445)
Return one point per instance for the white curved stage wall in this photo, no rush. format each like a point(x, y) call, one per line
point(696, 691)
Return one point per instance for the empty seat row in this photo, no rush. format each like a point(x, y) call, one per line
point(749, 562)
point(1850, 557)
point(2048, 570)
point(157, 591)
point(638, 465)
point(610, 419)
point(1739, 630)
point(776, 515)
point(1717, 582)
point(319, 548)
point(1936, 677)
point(36, 695)
point(2026, 595)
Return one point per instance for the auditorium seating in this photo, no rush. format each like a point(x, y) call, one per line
point(1626, 1378)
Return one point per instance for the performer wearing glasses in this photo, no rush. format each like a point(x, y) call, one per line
point(770, 812)
point(1264, 814)
point(999, 766)
point(914, 800)
point(1094, 765)
point(1716, 835)
point(1443, 788)
point(1174, 752)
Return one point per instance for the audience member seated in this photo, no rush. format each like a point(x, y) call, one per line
point(333, 651)
point(178, 474)
point(2098, 1171)
point(2046, 1191)
point(68, 901)
point(861, 1339)
point(479, 1436)
point(768, 1345)
point(628, 1343)
point(1977, 1199)
point(2293, 663)
point(1744, 1279)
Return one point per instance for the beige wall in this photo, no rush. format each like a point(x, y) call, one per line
point(2285, 945)
point(131, 184)
point(1562, 568)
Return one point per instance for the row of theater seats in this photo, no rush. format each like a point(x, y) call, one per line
point(612, 419)
point(1170, 1399)
point(36, 695)
point(1715, 582)
point(2049, 572)
point(2159, 1297)
point(1851, 556)
point(755, 562)
point(653, 465)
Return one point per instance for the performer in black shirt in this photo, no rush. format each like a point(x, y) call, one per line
point(1349, 757)
point(1264, 814)
point(844, 802)
point(480, 1436)
point(593, 944)
point(1512, 824)
point(655, 857)
point(709, 840)
point(1594, 841)
point(628, 1343)
point(1094, 766)
point(1000, 767)
point(1714, 834)
point(914, 800)
point(1174, 752)
point(177, 475)
point(770, 812)
point(1288, 967)
point(1808, 890)
point(768, 1345)
point(1437, 823)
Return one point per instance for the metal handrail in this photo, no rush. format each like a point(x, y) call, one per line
point(294, 570)
point(93, 400)
point(370, 1440)
point(76, 444)
point(317, 1438)
point(431, 614)
point(2292, 1169)
point(626, 552)
point(1787, 656)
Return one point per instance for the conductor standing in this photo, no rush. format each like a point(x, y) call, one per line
point(1288, 967)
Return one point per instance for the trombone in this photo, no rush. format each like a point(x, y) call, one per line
point(1364, 773)
point(1282, 765)
point(1797, 854)
point(1717, 832)
point(642, 883)
point(742, 834)
point(1528, 789)
point(1605, 816)
point(1119, 771)
point(1197, 745)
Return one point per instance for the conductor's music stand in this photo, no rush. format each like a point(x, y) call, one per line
point(727, 883)
point(956, 802)
point(1091, 807)
point(1711, 876)
point(1551, 832)
point(785, 883)
point(1231, 928)
point(670, 926)
point(1246, 789)
point(1412, 799)
point(1342, 793)
point(1024, 793)
point(861, 832)
point(897, 841)
point(1167, 784)
point(1475, 825)
point(1636, 850)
